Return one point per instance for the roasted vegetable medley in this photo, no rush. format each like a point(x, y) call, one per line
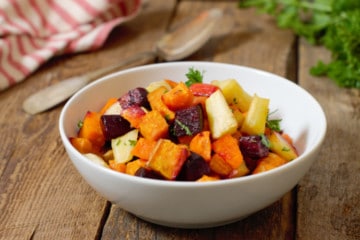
point(185, 131)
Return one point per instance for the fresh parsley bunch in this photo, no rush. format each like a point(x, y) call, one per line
point(332, 23)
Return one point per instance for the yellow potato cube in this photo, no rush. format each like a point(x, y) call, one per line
point(234, 93)
point(255, 120)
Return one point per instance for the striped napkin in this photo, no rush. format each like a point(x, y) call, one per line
point(33, 31)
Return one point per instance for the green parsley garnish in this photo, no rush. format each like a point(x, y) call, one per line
point(285, 149)
point(273, 124)
point(265, 140)
point(183, 126)
point(331, 23)
point(194, 76)
point(132, 142)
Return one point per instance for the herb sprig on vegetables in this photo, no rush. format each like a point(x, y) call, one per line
point(193, 76)
point(334, 24)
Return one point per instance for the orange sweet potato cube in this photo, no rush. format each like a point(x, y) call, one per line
point(168, 158)
point(133, 166)
point(143, 148)
point(228, 148)
point(206, 178)
point(133, 115)
point(267, 163)
point(201, 144)
point(120, 167)
point(83, 145)
point(153, 126)
point(156, 103)
point(220, 166)
point(179, 97)
point(91, 129)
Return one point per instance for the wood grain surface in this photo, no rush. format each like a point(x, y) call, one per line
point(43, 197)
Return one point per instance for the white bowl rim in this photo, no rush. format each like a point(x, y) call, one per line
point(181, 184)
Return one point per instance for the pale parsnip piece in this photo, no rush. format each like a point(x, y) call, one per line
point(234, 93)
point(154, 85)
point(96, 159)
point(123, 145)
point(255, 120)
point(280, 146)
point(221, 119)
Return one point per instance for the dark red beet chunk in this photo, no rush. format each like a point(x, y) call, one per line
point(134, 97)
point(188, 121)
point(253, 147)
point(194, 168)
point(114, 126)
point(147, 173)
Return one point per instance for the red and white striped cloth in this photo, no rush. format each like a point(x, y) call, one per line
point(33, 31)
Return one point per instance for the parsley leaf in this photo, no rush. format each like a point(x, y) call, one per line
point(183, 126)
point(333, 24)
point(273, 124)
point(194, 76)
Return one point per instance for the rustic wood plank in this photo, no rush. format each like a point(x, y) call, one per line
point(239, 41)
point(329, 195)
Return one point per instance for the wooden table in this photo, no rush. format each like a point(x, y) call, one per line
point(43, 197)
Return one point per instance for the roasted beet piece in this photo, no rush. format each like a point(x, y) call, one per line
point(114, 126)
point(193, 168)
point(188, 121)
point(253, 147)
point(147, 173)
point(136, 96)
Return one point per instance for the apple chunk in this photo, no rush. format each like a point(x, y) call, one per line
point(123, 145)
point(221, 119)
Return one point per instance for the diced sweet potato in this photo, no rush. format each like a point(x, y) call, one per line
point(156, 103)
point(83, 145)
point(201, 144)
point(133, 166)
point(271, 161)
point(220, 166)
point(153, 126)
point(207, 178)
point(228, 148)
point(179, 97)
point(185, 140)
point(91, 129)
point(120, 167)
point(143, 148)
point(168, 158)
point(134, 115)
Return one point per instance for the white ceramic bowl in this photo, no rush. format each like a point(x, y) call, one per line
point(200, 204)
